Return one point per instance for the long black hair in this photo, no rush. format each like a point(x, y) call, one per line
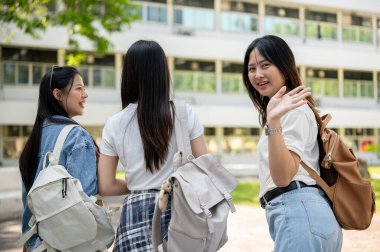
point(276, 51)
point(61, 78)
point(146, 80)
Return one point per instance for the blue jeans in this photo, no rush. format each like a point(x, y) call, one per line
point(302, 220)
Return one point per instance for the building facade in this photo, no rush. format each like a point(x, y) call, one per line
point(336, 45)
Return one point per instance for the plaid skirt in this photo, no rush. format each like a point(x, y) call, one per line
point(134, 233)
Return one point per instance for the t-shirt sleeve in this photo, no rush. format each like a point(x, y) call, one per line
point(193, 124)
point(295, 130)
point(107, 146)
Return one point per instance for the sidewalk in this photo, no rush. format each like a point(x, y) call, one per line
point(247, 233)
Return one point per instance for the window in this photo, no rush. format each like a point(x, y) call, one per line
point(320, 25)
point(25, 67)
point(240, 140)
point(358, 84)
point(281, 21)
point(357, 29)
point(152, 11)
point(323, 82)
point(196, 3)
point(359, 138)
point(15, 137)
point(194, 76)
point(232, 78)
point(194, 14)
point(99, 72)
point(239, 16)
point(211, 140)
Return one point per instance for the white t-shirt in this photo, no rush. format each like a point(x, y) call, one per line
point(121, 137)
point(299, 129)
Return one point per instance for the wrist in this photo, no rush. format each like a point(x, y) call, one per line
point(269, 130)
point(272, 123)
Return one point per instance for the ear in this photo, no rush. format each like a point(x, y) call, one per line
point(57, 94)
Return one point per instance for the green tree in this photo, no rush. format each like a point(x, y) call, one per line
point(91, 19)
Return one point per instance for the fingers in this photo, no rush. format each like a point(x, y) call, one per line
point(299, 90)
point(299, 93)
point(280, 92)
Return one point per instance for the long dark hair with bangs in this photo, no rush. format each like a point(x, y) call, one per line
point(146, 81)
point(276, 51)
point(61, 78)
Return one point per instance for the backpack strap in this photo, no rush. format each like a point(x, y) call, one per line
point(184, 147)
point(181, 131)
point(26, 236)
point(44, 247)
point(326, 188)
point(321, 121)
point(156, 228)
point(55, 155)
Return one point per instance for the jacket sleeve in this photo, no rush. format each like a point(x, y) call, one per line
point(81, 162)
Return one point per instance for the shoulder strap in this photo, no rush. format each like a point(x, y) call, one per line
point(321, 121)
point(54, 157)
point(181, 131)
point(326, 188)
point(156, 228)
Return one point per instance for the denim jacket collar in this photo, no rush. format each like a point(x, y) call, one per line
point(63, 118)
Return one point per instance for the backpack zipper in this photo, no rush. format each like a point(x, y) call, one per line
point(329, 155)
point(64, 187)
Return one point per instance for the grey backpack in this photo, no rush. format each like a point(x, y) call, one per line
point(200, 198)
point(64, 217)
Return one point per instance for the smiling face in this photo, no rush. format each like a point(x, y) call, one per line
point(72, 98)
point(264, 76)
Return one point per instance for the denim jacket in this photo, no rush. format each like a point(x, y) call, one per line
point(78, 156)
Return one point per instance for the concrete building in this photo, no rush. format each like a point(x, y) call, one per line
point(336, 44)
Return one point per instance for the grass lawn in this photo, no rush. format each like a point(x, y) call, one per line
point(247, 192)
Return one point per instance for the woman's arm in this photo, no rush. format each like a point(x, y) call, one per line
point(198, 146)
point(283, 163)
point(107, 182)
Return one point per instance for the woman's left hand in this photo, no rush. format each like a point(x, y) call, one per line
point(283, 102)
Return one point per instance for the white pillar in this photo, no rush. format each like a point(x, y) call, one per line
point(218, 76)
point(118, 70)
point(302, 23)
point(61, 54)
point(261, 30)
point(218, 14)
point(341, 82)
point(339, 19)
point(170, 13)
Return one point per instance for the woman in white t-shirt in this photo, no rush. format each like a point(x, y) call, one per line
point(298, 213)
point(142, 138)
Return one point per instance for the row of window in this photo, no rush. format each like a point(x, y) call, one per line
point(238, 16)
point(232, 140)
point(196, 76)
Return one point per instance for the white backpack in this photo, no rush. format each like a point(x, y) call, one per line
point(64, 217)
point(200, 198)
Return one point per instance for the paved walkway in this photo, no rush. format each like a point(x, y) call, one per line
point(247, 230)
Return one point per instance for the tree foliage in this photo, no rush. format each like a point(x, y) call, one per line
point(92, 19)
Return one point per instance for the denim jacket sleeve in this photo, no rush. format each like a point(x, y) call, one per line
point(81, 160)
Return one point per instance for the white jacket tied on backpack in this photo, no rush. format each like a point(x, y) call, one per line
point(64, 217)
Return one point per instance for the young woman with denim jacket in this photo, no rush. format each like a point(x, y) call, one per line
point(298, 213)
point(61, 96)
point(141, 136)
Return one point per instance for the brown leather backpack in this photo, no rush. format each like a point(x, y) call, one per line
point(352, 198)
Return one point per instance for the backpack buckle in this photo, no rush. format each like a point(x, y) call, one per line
point(190, 157)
